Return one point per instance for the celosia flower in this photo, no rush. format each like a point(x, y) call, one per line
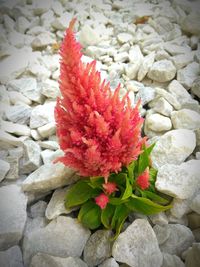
point(102, 200)
point(98, 132)
point(110, 187)
point(143, 180)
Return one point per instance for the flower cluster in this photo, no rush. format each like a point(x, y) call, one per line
point(98, 132)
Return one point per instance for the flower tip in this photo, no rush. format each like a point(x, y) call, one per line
point(110, 187)
point(102, 200)
point(143, 180)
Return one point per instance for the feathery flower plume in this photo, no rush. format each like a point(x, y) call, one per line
point(143, 180)
point(98, 132)
point(102, 200)
point(110, 187)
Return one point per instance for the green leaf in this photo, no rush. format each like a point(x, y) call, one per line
point(130, 169)
point(145, 205)
point(155, 197)
point(128, 191)
point(119, 179)
point(106, 215)
point(79, 193)
point(120, 215)
point(152, 174)
point(90, 215)
point(96, 182)
point(144, 159)
point(116, 201)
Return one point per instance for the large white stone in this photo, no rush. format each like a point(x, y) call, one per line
point(172, 99)
point(13, 215)
point(187, 75)
point(48, 177)
point(174, 49)
point(162, 106)
point(146, 65)
point(109, 262)
point(124, 37)
point(196, 87)
point(195, 203)
point(180, 61)
point(42, 40)
point(185, 118)
point(158, 123)
point(179, 91)
point(7, 140)
point(47, 129)
point(4, 167)
point(62, 237)
point(19, 113)
point(162, 71)
point(18, 98)
point(88, 36)
point(15, 128)
point(50, 88)
point(11, 257)
point(180, 181)
point(173, 238)
point(62, 22)
point(137, 246)
point(191, 23)
point(146, 94)
point(172, 260)
point(173, 147)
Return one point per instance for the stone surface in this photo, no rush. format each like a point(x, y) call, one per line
point(173, 147)
point(38, 209)
point(15, 128)
point(50, 89)
point(162, 71)
point(47, 129)
point(173, 238)
point(146, 94)
point(158, 123)
point(185, 119)
point(172, 260)
point(187, 75)
point(44, 260)
point(48, 177)
point(7, 140)
point(19, 113)
point(11, 257)
point(172, 99)
point(13, 173)
point(196, 87)
point(145, 66)
point(137, 246)
point(193, 256)
point(98, 248)
point(180, 181)
point(191, 24)
point(162, 106)
point(5, 167)
point(180, 61)
point(195, 204)
point(13, 215)
point(88, 36)
point(109, 263)
point(62, 237)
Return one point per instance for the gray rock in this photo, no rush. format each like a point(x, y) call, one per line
point(180, 207)
point(31, 160)
point(19, 113)
point(48, 177)
point(187, 75)
point(109, 263)
point(180, 181)
point(38, 209)
point(98, 248)
point(5, 167)
point(185, 119)
point(196, 87)
point(11, 257)
point(13, 173)
point(137, 246)
point(162, 71)
point(172, 261)
point(193, 256)
point(146, 94)
point(173, 238)
point(195, 203)
point(42, 114)
point(162, 106)
point(62, 237)
point(158, 123)
point(191, 24)
point(160, 218)
point(173, 147)
point(44, 260)
point(193, 220)
point(196, 233)
point(13, 215)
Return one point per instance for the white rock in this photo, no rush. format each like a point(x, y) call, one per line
point(109, 262)
point(191, 24)
point(39, 70)
point(38, 209)
point(16, 98)
point(172, 260)
point(146, 65)
point(88, 36)
point(31, 160)
point(135, 58)
point(47, 129)
point(187, 75)
point(56, 205)
point(54, 239)
point(42, 114)
point(98, 247)
point(35, 135)
point(185, 118)
point(195, 204)
point(137, 246)
point(13, 215)
point(48, 156)
point(179, 91)
point(173, 147)
point(15, 128)
point(28, 87)
point(41, 259)
point(121, 57)
point(162, 106)
point(19, 113)
point(50, 89)
point(160, 218)
point(62, 22)
point(53, 145)
point(174, 49)
point(183, 60)
point(57, 8)
point(146, 94)
point(172, 99)
point(196, 87)
point(158, 123)
point(4, 96)
point(17, 39)
point(124, 37)
point(7, 140)
point(22, 24)
point(180, 181)
point(193, 255)
point(42, 40)
point(9, 23)
point(48, 177)
point(40, 7)
point(162, 71)
point(5, 167)
point(180, 207)
point(13, 173)
point(11, 257)
point(169, 234)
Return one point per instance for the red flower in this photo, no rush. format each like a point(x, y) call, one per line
point(98, 132)
point(102, 200)
point(143, 180)
point(110, 187)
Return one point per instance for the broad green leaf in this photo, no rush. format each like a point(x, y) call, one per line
point(152, 174)
point(90, 215)
point(145, 205)
point(106, 215)
point(155, 197)
point(116, 201)
point(130, 169)
point(119, 179)
point(79, 193)
point(128, 191)
point(120, 215)
point(96, 182)
point(144, 159)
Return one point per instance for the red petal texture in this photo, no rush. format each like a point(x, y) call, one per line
point(110, 187)
point(143, 180)
point(102, 200)
point(98, 132)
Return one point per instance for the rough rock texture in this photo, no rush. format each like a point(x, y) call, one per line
point(193, 256)
point(11, 257)
point(137, 246)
